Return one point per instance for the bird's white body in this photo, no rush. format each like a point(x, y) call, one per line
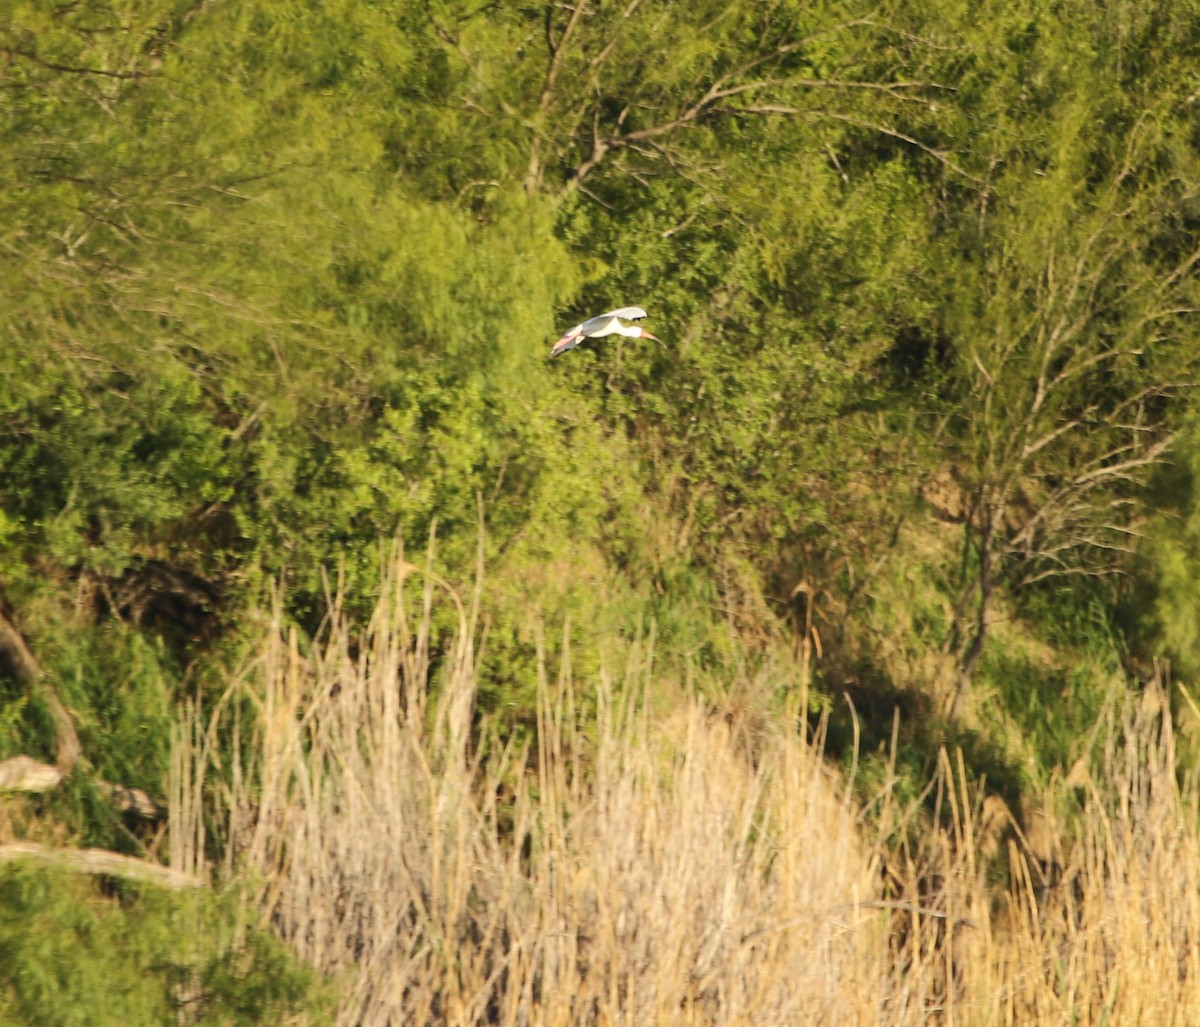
point(602, 325)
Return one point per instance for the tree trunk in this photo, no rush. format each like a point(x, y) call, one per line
point(26, 670)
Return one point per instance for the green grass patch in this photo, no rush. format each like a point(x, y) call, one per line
point(88, 952)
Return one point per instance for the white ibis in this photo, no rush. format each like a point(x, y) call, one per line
point(602, 325)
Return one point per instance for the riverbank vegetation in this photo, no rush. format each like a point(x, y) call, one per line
point(832, 658)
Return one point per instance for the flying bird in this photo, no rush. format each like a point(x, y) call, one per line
point(602, 325)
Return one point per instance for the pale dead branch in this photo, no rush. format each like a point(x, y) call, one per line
point(99, 861)
point(25, 774)
point(29, 673)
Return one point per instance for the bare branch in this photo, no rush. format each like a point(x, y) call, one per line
point(1031, 448)
point(737, 81)
point(1153, 456)
point(533, 172)
point(27, 671)
point(71, 69)
point(100, 861)
point(557, 50)
point(25, 774)
point(938, 155)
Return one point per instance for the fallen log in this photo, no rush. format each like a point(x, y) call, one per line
point(25, 774)
point(100, 861)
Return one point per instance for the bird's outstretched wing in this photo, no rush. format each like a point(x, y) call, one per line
point(597, 325)
point(625, 314)
point(569, 341)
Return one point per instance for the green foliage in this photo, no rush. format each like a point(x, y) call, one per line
point(277, 283)
point(1174, 553)
point(1056, 678)
point(70, 954)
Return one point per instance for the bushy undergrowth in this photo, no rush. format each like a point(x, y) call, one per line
point(73, 954)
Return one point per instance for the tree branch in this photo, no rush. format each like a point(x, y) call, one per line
point(25, 774)
point(27, 671)
point(71, 69)
point(100, 861)
point(938, 155)
point(533, 172)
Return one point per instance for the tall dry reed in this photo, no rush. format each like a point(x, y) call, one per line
point(639, 869)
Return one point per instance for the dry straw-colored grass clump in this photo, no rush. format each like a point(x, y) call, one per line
point(642, 869)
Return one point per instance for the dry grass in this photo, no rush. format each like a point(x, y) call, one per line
point(645, 869)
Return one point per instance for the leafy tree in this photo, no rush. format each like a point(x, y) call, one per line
point(1072, 312)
